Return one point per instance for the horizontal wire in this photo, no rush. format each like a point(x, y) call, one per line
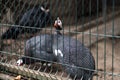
point(108, 73)
point(92, 34)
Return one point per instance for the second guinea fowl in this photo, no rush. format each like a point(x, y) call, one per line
point(76, 59)
point(37, 17)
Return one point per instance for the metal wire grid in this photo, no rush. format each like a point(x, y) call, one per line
point(105, 35)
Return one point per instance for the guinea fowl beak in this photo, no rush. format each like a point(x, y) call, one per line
point(55, 25)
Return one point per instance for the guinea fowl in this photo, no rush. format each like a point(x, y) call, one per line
point(73, 54)
point(37, 17)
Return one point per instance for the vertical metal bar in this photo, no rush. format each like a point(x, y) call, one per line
point(0, 10)
point(104, 17)
point(69, 30)
point(20, 47)
point(97, 39)
point(55, 19)
point(82, 20)
point(63, 4)
point(0, 21)
point(56, 5)
point(113, 6)
point(51, 22)
point(89, 22)
point(45, 39)
point(10, 26)
point(83, 1)
point(7, 40)
point(76, 20)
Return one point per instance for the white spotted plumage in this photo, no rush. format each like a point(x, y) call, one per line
point(58, 52)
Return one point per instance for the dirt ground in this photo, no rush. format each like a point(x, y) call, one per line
point(105, 57)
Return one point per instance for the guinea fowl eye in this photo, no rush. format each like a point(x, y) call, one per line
point(59, 22)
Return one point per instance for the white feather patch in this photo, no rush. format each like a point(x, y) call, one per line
point(19, 62)
point(43, 9)
point(57, 51)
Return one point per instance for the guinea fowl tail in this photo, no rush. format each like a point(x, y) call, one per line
point(11, 33)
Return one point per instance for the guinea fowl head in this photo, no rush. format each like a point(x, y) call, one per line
point(19, 62)
point(58, 24)
point(24, 60)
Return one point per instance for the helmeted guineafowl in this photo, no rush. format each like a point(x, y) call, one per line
point(72, 54)
point(37, 17)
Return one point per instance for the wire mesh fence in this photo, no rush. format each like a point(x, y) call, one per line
point(84, 44)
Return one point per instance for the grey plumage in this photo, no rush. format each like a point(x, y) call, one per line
point(75, 54)
point(35, 17)
point(39, 47)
